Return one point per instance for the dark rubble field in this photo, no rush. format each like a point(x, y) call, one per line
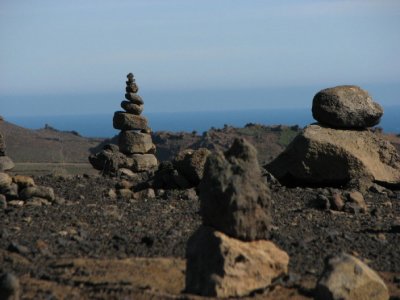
point(39, 244)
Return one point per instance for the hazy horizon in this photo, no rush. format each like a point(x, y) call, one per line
point(72, 57)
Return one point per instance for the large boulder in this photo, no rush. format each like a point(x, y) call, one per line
point(127, 121)
point(190, 163)
point(234, 198)
point(346, 106)
point(6, 163)
point(132, 142)
point(347, 278)
point(326, 156)
point(220, 266)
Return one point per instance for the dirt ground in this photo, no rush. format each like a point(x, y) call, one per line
point(93, 246)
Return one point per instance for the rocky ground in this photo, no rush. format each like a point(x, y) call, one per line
point(88, 244)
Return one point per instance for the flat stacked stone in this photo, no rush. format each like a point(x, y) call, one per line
point(135, 146)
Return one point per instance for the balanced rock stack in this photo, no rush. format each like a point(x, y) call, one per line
point(135, 147)
point(229, 256)
point(340, 150)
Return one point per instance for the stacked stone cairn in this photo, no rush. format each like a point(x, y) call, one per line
point(229, 256)
point(19, 190)
point(135, 150)
point(340, 150)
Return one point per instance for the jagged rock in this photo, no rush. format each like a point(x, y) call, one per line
point(167, 177)
point(5, 181)
point(37, 191)
point(134, 98)
point(126, 121)
point(346, 107)
point(109, 161)
point(143, 162)
point(328, 156)
point(6, 163)
point(347, 278)
point(23, 181)
point(234, 198)
point(132, 142)
point(190, 163)
point(220, 266)
point(132, 108)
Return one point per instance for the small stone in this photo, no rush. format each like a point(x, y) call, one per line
point(5, 181)
point(38, 191)
point(346, 277)
point(11, 192)
point(131, 87)
point(145, 194)
point(358, 199)
point(9, 287)
point(17, 248)
point(16, 203)
point(323, 202)
point(3, 202)
point(124, 173)
point(23, 181)
point(125, 194)
point(337, 201)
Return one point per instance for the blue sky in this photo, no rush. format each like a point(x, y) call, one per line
point(60, 57)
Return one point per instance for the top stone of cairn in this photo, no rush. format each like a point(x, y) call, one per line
point(347, 107)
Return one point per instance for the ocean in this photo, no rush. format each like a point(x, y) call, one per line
point(100, 125)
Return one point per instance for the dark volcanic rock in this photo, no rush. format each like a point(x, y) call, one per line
point(234, 198)
point(346, 107)
point(190, 163)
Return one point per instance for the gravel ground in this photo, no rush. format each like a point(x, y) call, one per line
point(91, 224)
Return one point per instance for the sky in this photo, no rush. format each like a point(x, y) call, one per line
point(71, 57)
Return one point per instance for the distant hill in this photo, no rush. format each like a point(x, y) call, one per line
point(46, 145)
point(49, 145)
